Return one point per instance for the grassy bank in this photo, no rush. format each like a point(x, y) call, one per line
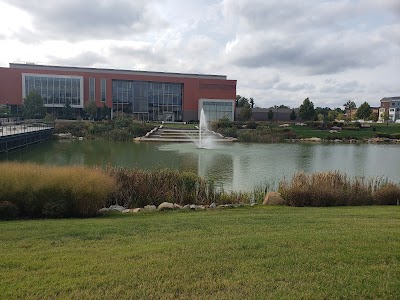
point(248, 253)
point(267, 132)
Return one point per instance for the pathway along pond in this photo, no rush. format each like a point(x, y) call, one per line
point(236, 166)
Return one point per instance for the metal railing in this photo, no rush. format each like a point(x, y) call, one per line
point(13, 129)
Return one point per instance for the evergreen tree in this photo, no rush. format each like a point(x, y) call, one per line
point(307, 111)
point(34, 106)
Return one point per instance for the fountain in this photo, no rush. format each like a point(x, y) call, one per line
point(205, 141)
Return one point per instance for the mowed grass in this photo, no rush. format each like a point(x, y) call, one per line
point(244, 253)
point(363, 133)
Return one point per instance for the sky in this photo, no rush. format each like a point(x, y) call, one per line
point(279, 51)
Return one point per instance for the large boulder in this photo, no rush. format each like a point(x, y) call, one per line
point(116, 208)
point(166, 206)
point(274, 198)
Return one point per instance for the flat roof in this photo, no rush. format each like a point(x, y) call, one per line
point(114, 71)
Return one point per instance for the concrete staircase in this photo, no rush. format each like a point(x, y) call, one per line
point(165, 134)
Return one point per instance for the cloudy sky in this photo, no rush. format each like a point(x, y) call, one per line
point(279, 51)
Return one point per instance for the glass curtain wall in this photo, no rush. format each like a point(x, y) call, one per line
point(153, 101)
point(216, 110)
point(55, 91)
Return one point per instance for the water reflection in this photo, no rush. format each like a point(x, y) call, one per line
point(235, 166)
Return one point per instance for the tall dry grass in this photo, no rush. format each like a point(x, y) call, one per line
point(39, 190)
point(137, 188)
point(337, 189)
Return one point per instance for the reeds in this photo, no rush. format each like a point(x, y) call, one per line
point(336, 189)
point(47, 191)
point(137, 188)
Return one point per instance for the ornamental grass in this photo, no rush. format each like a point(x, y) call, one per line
point(48, 191)
point(337, 189)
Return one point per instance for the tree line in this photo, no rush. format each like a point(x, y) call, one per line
point(307, 111)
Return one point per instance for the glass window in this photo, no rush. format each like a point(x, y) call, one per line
point(92, 83)
point(103, 89)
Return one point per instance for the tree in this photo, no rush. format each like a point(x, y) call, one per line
point(5, 111)
point(293, 115)
point(270, 114)
point(332, 115)
point(349, 106)
point(105, 111)
point(67, 111)
point(90, 108)
point(33, 105)
point(385, 117)
point(245, 113)
point(251, 102)
point(307, 111)
point(364, 111)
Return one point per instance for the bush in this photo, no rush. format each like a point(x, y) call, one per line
point(8, 210)
point(252, 125)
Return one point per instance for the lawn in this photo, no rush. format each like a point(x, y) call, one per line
point(363, 133)
point(244, 253)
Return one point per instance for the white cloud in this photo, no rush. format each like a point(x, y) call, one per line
point(280, 51)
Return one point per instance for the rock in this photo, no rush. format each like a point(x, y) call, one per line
point(136, 210)
point(125, 211)
point(226, 206)
point(254, 204)
point(192, 206)
point(213, 205)
point(150, 207)
point(116, 207)
point(314, 139)
point(186, 207)
point(166, 206)
point(104, 209)
point(200, 207)
point(177, 206)
point(274, 198)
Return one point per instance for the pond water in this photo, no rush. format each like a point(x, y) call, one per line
point(235, 166)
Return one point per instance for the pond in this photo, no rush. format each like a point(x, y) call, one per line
point(235, 166)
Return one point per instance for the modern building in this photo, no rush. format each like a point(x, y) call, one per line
point(152, 96)
point(390, 105)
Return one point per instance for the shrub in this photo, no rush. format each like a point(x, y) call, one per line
point(252, 125)
point(8, 210)
point(388, 194)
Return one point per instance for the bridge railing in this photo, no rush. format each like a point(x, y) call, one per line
point(8, 130)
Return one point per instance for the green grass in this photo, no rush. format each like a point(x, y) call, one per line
point(363, 133)
point(247, 253)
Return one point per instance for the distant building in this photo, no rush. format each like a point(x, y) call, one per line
point(390, 105)
point(280, 114)
point(150, 96)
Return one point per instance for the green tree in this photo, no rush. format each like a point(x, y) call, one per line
point(349, 106)
point(5, 111)
point(385, 117)
point(307, 111)
point(105, 111)
point(293, 115)
point(90, 108)
point(242, 101)
point(245, 113)
point(33, 105)
point(270, 114)
point(364, 111)
point(251, 102)
point(332, 115)
point(67, 111)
